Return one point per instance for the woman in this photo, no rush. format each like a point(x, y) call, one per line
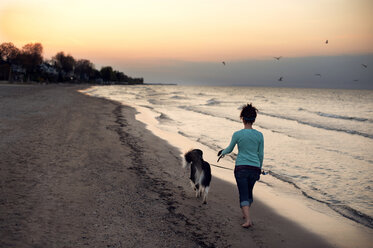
point(249, 160)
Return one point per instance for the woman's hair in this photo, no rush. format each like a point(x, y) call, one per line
point(248, 113)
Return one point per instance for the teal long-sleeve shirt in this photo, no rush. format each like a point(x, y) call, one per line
point(250, 144)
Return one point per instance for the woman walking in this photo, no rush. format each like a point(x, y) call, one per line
point(249, 161)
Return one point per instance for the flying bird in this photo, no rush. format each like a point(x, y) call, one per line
point(280, 79)
point(356, 80)
point(327, 41)
point(223, 62)
point(318, 74)
point(364, 65)
point(278, 58)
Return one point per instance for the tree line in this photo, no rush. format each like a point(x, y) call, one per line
point(27, 64)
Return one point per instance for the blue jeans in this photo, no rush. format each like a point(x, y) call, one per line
point(246, 176)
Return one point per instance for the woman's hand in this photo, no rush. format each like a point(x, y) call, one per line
point(219, 155)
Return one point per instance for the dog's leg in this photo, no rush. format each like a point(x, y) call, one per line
point(193, 173)
point(201, 188)
point(193, 185)
point(205, 193)
point(197, 184)
point(199, 191)
point(193, 177)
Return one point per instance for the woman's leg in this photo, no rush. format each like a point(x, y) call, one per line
point(243, 186)
point(252, 178)
point(251, 183)
point(246, 214)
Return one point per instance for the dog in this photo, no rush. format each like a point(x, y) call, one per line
point(200, 173)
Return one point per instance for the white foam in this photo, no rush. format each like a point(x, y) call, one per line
point(282, 197)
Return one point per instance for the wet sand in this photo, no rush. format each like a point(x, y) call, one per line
point(78, 171)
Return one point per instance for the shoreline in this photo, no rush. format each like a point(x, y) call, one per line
point(315, 216)
point(83, 171)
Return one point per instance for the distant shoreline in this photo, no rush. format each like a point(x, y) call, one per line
point(2, 82)
point(72, 83)
point(159, 84)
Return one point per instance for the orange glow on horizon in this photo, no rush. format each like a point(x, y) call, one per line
point(194, 31)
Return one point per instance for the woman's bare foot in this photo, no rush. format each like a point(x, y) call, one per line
point(246, 217)
point(247, 224)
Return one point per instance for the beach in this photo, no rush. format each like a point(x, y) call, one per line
point(80, 171)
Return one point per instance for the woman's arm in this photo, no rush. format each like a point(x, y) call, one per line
point(261, 152)
point(229, 149)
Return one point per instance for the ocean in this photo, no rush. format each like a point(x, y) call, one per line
point(319, 141)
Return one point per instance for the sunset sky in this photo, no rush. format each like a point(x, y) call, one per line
point(150, 38)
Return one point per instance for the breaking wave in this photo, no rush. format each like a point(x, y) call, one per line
point(163, 117)
point(370, 136)
point(212, 102)
point(178, 97)
point(337, 206)
point(335, 116)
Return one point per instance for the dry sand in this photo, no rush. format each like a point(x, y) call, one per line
point(78, 171)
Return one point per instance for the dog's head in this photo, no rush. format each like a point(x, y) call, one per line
point(193, 156)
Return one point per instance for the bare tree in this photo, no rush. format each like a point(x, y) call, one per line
point(64, 62)
point(8, 52)
point(107, 73)
point(31, 57)
point(84, 69)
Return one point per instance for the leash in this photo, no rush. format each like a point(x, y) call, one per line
point(222, 167)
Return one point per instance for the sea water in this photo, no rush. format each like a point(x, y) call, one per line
point(318, 140)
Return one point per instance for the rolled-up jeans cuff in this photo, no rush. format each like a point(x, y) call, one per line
point(245, 203)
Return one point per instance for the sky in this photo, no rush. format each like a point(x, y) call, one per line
point(185, 42)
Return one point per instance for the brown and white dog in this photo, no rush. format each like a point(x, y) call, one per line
point(200, 173)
